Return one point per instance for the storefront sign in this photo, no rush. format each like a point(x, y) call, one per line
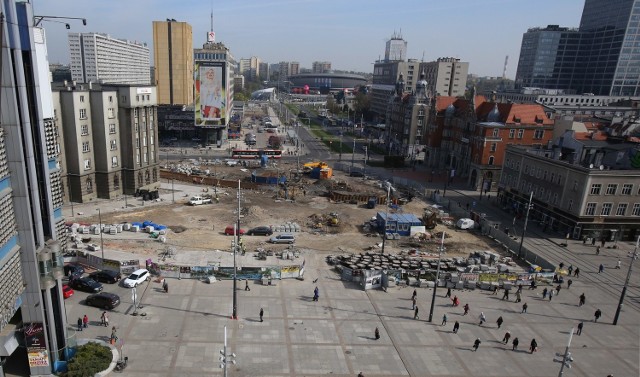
point(38, 358)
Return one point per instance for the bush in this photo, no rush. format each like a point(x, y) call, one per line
point(90, 359)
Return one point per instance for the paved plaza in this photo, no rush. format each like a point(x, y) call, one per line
point(182, 332)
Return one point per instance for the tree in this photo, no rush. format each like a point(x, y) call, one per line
point(362, 103)
point(90, 359)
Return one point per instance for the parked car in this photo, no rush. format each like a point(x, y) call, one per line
point(103, 300)
point(85, 285)
point(136, 278)
point(356, 174)
point(260, 231)
point(198, 200)
point(67, 291)
point(465, 223)
point(73, 270)
point(106, 276)
point(283, 238)
point(229, 231)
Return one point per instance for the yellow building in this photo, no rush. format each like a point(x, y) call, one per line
point(173, 59)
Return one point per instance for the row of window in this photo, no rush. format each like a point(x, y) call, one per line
point(621, 210)
point(612, 189)
point(83, 112)
point(538, 134)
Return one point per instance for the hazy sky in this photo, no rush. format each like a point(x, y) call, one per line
point(351, 34)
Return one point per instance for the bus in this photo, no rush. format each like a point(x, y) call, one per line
point(247, 154)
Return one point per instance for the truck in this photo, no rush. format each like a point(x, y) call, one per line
point(198, 200)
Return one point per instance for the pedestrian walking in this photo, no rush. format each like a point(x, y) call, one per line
point(483, 319)
point(104, 319)
point(544, 293)
point(466, 309)
point(602, 242)
point(601, 268)
point(114, 335)
point(455, 301)
point(506, 337)
point(580, 325)
point(534, 346)
point(85, 321)
point(415, 294)
point(316, 294)
point(415, 313)
point(582, 299)
point(515, 344)
point(519, 288)
point(505, 296)
point(413, 301)
point(593, 241)
point(456, 327)
point(524, 307)
point(597, 315)
point(495, 290)
point(261, 314)
point(79, 323)
point(448, 293)
point(558, 288)
point(444, 319)
point(165, 285)
point(246, 285)
point(532, 285)
point(550, 294)
point(499, 321)
point(518, 297)
point(569, 282)
point(576, 273)
point(377, 334)
point(476, 344)
point(597, 250)
point(570, 269)
point(619, 264)
point(561, 265)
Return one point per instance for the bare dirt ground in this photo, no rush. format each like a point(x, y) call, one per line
point(202, 227)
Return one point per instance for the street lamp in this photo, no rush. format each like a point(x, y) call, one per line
point(236, 232)
point(101, 240)
point(567, 359)
point(226, 358)
point(435, 285)
point(386, 215)
point(626, 283)
point(524, 229)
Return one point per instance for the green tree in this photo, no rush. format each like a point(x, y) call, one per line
point(89, 359)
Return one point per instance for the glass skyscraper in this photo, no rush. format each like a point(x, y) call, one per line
point(602, 57)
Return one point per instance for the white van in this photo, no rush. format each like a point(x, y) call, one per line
point(283, 238)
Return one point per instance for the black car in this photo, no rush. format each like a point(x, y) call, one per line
point(103, 300)
point(356, 174)
point(73, 270)
point(86, 285)
point(106, 276)
point(260, 231)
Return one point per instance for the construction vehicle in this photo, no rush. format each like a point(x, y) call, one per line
point(333, 220)
point(371, 203)
point(430, 218)
point(309, 166)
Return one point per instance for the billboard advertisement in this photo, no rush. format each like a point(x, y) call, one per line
point(211, 97)
point(36, 346)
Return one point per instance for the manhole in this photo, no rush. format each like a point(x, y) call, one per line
point(347, 352)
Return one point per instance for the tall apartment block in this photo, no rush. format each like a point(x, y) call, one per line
point(287, 69)
point(173, 59)
point(100, 58)
point(33, 325)
point(321, 67)
point(110, 140)
point(600, 57)
point(445, 76)
point(250, 68)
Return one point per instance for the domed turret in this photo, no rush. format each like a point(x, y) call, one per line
point(421, 85)
point(450, 111)
point(494, 115)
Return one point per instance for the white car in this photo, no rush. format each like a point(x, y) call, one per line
point(136, 278)
point(465, 223)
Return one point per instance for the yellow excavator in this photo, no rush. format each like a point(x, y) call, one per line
point(306, 168)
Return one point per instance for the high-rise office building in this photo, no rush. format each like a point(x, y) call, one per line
point(173, 60)
point(100, 58)
point(250, 68)
point(33, 324)
point(445, 76)
point(396, 48)
point(600, 57)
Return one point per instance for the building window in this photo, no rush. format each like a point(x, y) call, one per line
point(151, 138)
point(496, 132)
point(89, 185)
point(591, 209)
point(137, 143)
point(114, 161)
point(538, 134)
point(526, 169)
point(595, 189)
point(82, 99)
point(112, 128)
point(135, 112)
point(611, 189)
point(137, 159)
point(570, 205)
point(520, 133)
point(491, 160)
point(113, 144)
point(116, 181)
point(110, 98)
point(622, 209)
point(85, 147)
point(494, 146)
point(83, 113)
point(606, 209)
point(636, 209)
point(627, 188)
point(145, 158)
point(84, 130)
point(136, 128)
point(512, 133)
point(87, 164)
point(111, 112)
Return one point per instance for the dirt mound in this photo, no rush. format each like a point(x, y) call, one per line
point(177, 228)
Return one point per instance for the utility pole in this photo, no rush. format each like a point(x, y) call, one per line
point(386, 215)
point(353, 154)
point(567, 359)
point(226, 358)
point(524, 229)
point(626, 283)
point(435, 285)
point(234, 314)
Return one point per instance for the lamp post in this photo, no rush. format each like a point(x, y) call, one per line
point(386, 215)
point(524, 228)
point(566, 357)
point(626, 283)
point(226, 358)
point(435, 285)
point(173, 198)
point(101, 240)
point(236, 232)
point(353, 154)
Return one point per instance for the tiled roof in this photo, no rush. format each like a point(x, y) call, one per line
point(443, 102)
point(512, 113)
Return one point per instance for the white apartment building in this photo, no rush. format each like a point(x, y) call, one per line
point(102, 59)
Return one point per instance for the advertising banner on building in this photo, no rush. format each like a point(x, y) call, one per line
point(211, 98)
point(38, 358)
point(34, 337)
